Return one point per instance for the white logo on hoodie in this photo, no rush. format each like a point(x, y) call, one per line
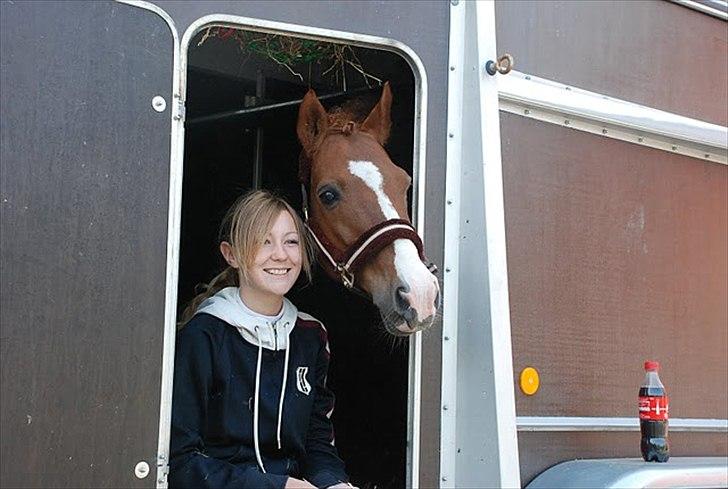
point(301, 381)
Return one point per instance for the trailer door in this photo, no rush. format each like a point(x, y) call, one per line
point(86, 102)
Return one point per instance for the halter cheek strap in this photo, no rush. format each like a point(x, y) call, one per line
point(344, 264)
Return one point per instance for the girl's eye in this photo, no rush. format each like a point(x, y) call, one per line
point(292, 241)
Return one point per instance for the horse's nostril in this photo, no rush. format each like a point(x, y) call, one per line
point(401, 300)
point(410, 315)
point(403, 304)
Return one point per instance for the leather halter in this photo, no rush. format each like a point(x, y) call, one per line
point(344, 264)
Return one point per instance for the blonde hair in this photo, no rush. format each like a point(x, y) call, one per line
point(245, 227)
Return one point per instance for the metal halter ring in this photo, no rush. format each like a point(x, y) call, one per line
point(346, 276)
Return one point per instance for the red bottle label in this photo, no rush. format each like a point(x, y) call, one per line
point(653, 408)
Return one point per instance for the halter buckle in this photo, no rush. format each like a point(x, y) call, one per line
point(346, 276)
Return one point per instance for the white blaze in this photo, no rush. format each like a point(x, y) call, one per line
point(410, 269)
point(368, 171)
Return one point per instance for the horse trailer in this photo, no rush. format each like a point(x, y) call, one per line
point(569, 165)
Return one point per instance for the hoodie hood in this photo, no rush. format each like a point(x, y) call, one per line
point(272, 332)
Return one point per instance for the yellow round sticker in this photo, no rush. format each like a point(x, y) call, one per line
point(529, 381)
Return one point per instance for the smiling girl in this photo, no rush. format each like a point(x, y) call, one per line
point(250, 406)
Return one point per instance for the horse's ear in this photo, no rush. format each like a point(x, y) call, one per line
point(312, 121)
point(378, 122)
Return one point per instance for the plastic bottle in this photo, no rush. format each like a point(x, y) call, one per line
point(653, 409)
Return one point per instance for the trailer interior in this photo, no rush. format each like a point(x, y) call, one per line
point(242, 97)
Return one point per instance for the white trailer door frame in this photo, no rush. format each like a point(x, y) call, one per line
point(479, 446)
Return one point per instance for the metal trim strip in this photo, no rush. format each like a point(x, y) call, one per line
point(451, 258)
point(497, 267)
point(553, 102)
point(706, 9)
point(173, 247)
point(418, 169)
point(567, 423)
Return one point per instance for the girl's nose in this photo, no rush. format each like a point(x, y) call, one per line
point(278, 252)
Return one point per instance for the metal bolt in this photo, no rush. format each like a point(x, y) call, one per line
point(527, 77)
point(491, 67)
point(444, 408)
point(141, 470)
point(604, 131)
point(454, 2)
point(449, 201)
point(674, 148)
point(159, 104)
point(451, 135)
point(452, 68)
point(566, 122)
point(707, 155)
point(640, 139)
point(568, 88)
point(447, 270)
point(526, 111)
point(444, 479)
point(446, 338)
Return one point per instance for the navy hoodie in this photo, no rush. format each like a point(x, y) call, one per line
point(250, 403)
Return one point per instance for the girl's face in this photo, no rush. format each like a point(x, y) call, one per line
point(275, 268)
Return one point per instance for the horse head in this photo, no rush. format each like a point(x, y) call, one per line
point(356, 207)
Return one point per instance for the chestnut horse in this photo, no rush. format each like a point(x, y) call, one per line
point(355, 204)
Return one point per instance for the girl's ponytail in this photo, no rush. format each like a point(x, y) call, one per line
point(226, 278)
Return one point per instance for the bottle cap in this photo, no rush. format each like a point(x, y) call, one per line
point(652, 365)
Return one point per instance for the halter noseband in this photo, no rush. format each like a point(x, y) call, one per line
point(344, 264)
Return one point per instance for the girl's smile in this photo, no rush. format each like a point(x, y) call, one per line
point(277, 271)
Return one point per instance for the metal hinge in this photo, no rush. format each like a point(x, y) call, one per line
point(162, 471)
point(179, 108)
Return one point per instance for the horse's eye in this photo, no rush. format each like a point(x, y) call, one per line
point(328, 197)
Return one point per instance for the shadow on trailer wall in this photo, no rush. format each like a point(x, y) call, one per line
point(368, 371)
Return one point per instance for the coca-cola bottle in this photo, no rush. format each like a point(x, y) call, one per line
point(653, 407)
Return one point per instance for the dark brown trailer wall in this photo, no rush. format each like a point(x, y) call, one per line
point(651, 52)
point(402, 21)
point(83, 234)
point(616, 254)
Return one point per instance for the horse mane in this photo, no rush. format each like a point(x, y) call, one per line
point(354, 110)
point(341, 119)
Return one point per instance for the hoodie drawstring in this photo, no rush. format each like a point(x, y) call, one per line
point(257, 395)
point(255, 407)
point(283, 387)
